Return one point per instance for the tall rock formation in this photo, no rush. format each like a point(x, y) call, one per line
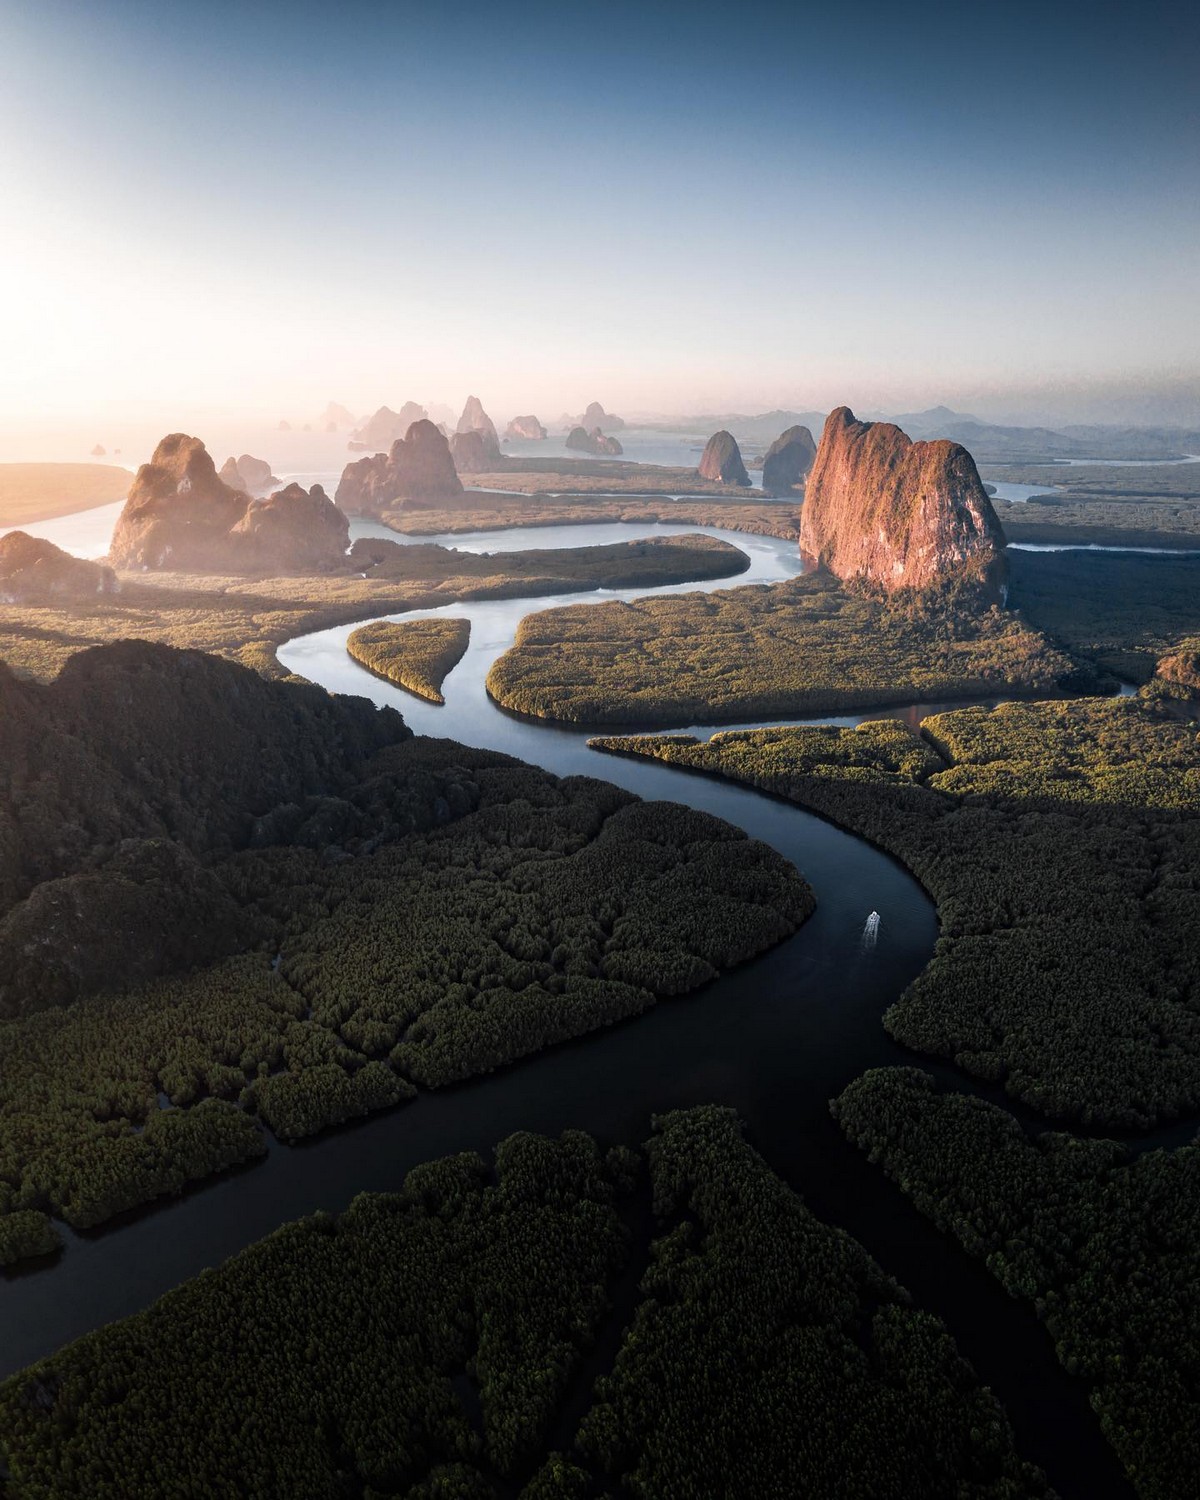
point(593, 442)
point(419, 470)
point(788, 460)
point(335, 418)
point(33, 571)
point(475, 419)
point(525, 427)
point(252, 475)
point(181, 515)
point(596, 416)
point(722, 460)
point(898, 514)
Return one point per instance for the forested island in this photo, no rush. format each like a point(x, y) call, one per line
point(414, 654)
point(786, 649)
point(428, 1343)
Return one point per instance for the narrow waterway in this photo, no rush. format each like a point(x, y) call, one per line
point(776, 1039)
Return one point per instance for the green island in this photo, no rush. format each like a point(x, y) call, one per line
point(426, 1343)
point(246, 618)
point(1060, 842)
point(481, 511)
point(416, 655)
point(1102, 1243)
point(784, 649)
point(299, 913)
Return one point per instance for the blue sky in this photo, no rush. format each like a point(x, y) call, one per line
point(263, 206)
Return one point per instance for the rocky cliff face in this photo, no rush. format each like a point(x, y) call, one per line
point(253, 475)
point(898, 514)
point(418, 470)
point(788, 460)
point(181, 515)
point(475, 419)
point(525, 427)
point(722, 460)
point(34, 572)
point(593, 442)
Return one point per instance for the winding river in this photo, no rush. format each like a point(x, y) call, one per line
point(776, 1038)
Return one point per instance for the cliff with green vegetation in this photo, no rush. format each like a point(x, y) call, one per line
point(1059, 841)
point(416, 655)
point(1101, 1242)
point(427, 1343)
point(798, 648)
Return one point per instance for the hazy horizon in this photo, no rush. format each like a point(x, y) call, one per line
point(221, 215)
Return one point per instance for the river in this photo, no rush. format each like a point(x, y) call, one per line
point(776, 1039)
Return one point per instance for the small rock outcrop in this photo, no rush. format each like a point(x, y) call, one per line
point(897, 514)
point(33, 571)
point(525, 427)
point(418, 470)
point(181, 515)
point(475, 419)
point(99, 451)
point(596, 416)
point(470, 454)
point(594, 441)
point(721, 460)
point(381, 431)
point(253, 475)
point(788, 460)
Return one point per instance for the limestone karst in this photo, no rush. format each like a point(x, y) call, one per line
point(180, 515)
point(475, 419)
point(788, 460)
point(595, 441)
point(33, 571)
point(419, 469)
point(722, 460)
point(525, 427)
point(896, 514)
point(253, 475)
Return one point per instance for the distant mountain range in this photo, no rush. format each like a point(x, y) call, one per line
point(988, 442)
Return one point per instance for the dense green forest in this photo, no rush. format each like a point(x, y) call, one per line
point(1127, 505)
point(801, 647)
point(422, 1344)
point(1124, 611)
point(1101, 1242)
point(414, 654)
point(1061, 843)
point(528, 910)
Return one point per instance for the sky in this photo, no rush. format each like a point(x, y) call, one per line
point(259, 207)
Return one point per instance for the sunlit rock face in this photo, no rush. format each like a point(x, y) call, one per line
point(181, 515)
point(722, 460)
point(475, 419)
point(896, 514)
point(34, 571)
point(525, 427)
point(594, 441)
point(253, 475)
point(596, 416)
point(419, 470)
point(788, 460)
